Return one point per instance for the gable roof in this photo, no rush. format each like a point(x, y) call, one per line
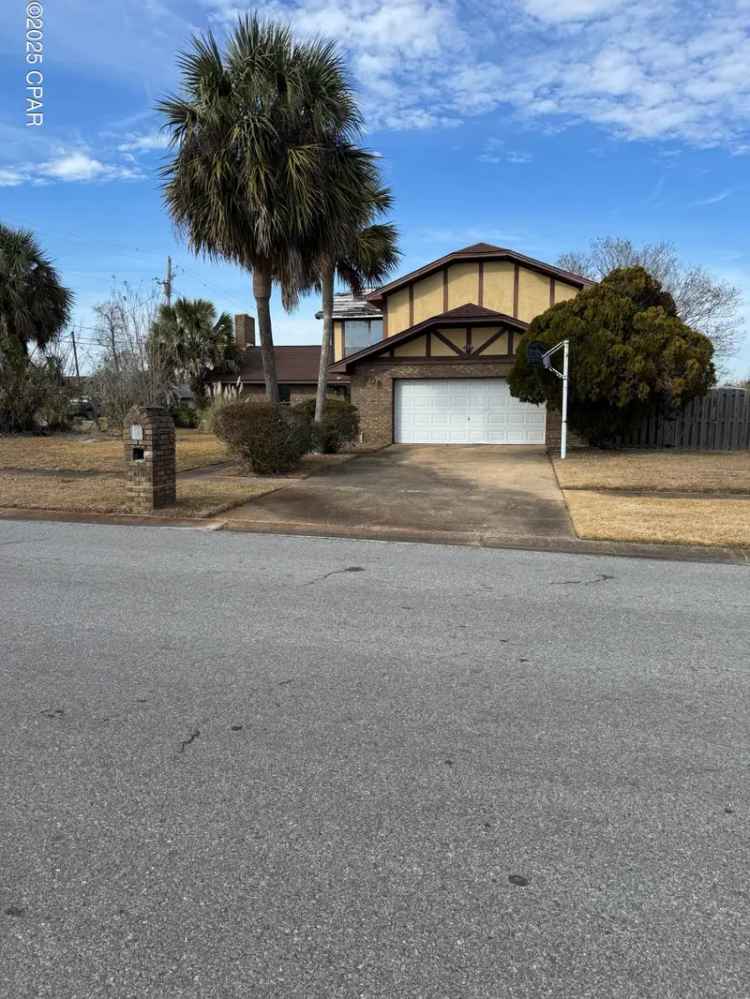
point(468, 314)
point(479, 251)
point(472, 311)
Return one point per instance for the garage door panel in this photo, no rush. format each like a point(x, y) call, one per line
point(464, 411)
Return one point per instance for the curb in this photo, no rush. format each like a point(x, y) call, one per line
point(562, 545)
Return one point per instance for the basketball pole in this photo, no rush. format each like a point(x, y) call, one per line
point(565, 344)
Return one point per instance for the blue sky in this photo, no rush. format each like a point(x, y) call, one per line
point(535, 124)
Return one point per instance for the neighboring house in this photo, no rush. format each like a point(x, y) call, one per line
point(439, 344)
point(426, 357)
point(296, 368)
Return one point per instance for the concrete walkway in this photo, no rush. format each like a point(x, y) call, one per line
point(485, 490)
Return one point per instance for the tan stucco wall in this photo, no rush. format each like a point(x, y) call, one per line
point(533, 294)
point(463, 284)
point(564, 291)
point(461, 280)
point(338, 339)
point(428, 297)
point(412, 348)
point(499, 277)
point(499, 346)
point(397, 306)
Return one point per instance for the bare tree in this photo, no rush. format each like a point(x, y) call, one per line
point(708, 305)
point(130, 367)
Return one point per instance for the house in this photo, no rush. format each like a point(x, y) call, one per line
point(428, 354)
point(426, 357)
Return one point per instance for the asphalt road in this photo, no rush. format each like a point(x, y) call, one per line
point(255, 766)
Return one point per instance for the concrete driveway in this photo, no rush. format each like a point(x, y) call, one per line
point(417, 490)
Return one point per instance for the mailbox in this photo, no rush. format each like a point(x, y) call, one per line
point(149, 445)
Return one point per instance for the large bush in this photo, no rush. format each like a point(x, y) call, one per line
point(269, 437)
point(630, 356)
point(339, 426)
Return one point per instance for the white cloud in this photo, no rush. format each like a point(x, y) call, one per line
point(495, 152)
point(73, 166)
point(714, 199)
point(67, 167)
point(648, 70)
point(569, 10)
point(10, 178)
point(145, 143)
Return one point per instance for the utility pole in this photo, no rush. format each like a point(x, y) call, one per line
point(75, 351)
point(167, 282)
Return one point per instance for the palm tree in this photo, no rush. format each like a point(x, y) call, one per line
point(365, 258)
point(189, 339)
point(249, 132)
point(34, 306)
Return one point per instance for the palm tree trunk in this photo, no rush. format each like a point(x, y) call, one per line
point(325, 347)
point(262, 294)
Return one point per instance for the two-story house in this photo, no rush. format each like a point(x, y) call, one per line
point(426, 357)
point(428, 354)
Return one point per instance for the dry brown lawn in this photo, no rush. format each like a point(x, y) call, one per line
point(711, 505)
point(660, 519)
point(196, 497)
point(656, 471)
point(82, 452)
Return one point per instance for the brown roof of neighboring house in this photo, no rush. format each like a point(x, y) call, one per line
point(294, 365)
point(481, 251)
point(476, 315)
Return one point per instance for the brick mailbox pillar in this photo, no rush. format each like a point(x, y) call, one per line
point(149, 441)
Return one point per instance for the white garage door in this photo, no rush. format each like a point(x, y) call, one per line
point(464, 411)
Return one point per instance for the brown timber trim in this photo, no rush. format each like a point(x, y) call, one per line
point(489, 340)
point(516, 271)
point(551, 291)
point(481, 283)
point(445, 289)
point(385, 319)
point(468, 339)
point(411, 305)
point(511, 342)
point(449, 343)
point(428, 344)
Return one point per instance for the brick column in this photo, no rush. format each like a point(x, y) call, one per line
point(149, 445)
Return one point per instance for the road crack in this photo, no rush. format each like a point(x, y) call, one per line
point(335, 572)
point(601, 578)
point(195, 734)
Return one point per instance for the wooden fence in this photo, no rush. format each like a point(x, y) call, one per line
point(720, 421)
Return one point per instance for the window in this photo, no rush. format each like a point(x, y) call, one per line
point(359, 333)
point(285, 393)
